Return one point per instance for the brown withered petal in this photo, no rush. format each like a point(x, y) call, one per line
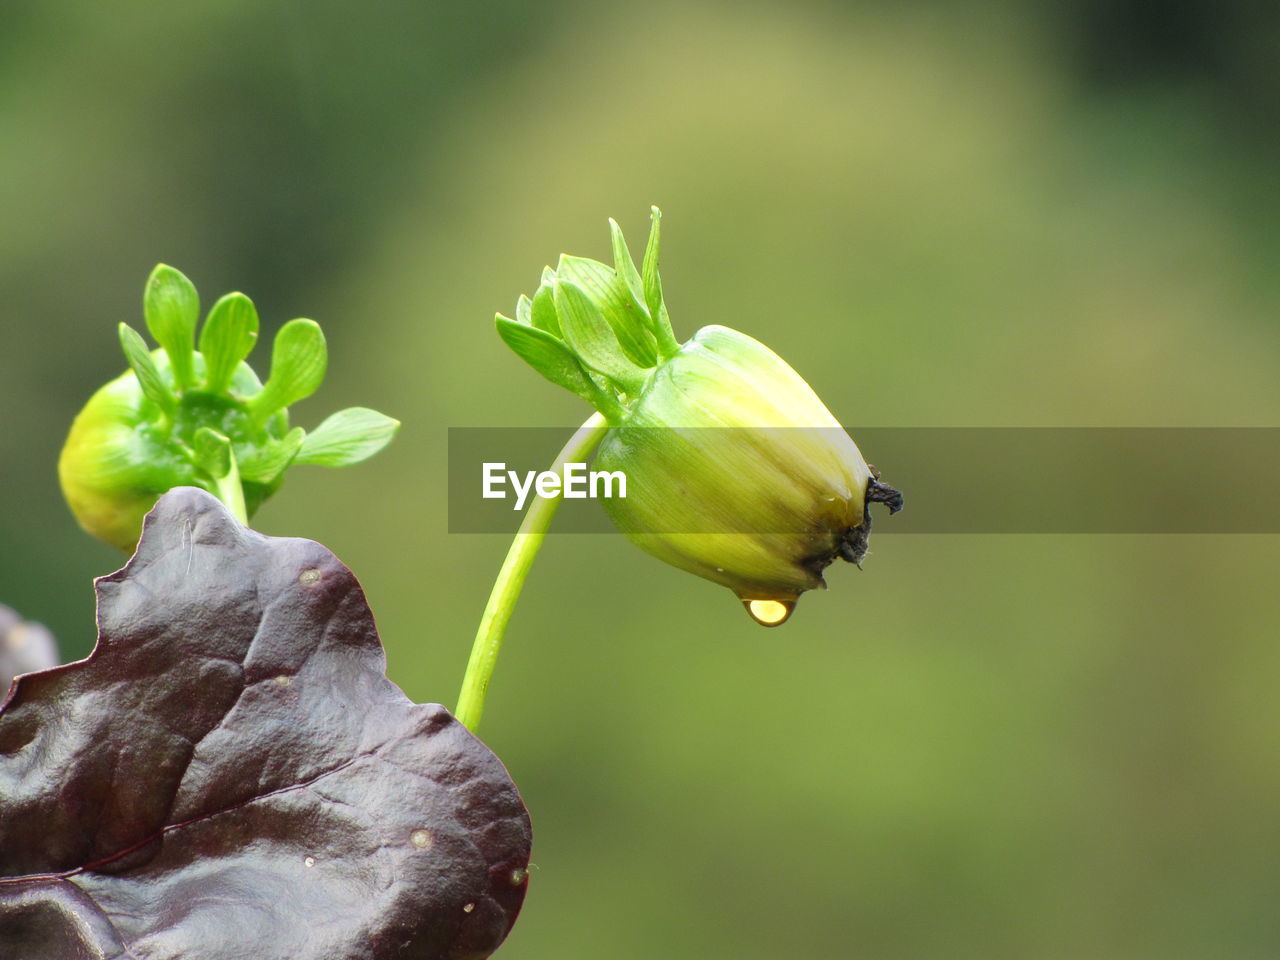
point(231, 775)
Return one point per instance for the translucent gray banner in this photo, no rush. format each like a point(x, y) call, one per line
point(954, 480)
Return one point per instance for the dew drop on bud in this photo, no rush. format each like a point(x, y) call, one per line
point(769, 613)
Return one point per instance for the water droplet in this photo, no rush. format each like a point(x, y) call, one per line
point(309, 861)
point(468, 908)
point(770, 613)
point(309, 576)
point(283, 681)
point(420, 838)
point(518, 876)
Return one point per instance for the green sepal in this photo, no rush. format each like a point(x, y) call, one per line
point(652, 282)
point(265, 463)
point(298, 360)
point(555, 361)
point(212, 452)
point(172, 308)
point(145, 369)
point(590, 336)
point(612, 297)
point(543, 312)
point(524, 310)
point(623, 264)
point(346, 437)
point(229, 333)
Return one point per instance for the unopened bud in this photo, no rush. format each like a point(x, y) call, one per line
point(186, 417)
point(736, 471)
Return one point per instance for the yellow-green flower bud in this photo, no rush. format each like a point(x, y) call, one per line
point(736, 471)
point(123, 452)
point(186, 417)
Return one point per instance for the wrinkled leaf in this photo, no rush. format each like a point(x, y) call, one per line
point(230, 775)
point(24, 648)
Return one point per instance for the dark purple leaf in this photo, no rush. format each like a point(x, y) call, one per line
point(231, 776)
point(24, 647)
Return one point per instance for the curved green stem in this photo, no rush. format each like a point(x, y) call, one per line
point(515, 568)
point(231, 492)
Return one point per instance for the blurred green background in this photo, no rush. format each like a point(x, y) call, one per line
point(970, 213)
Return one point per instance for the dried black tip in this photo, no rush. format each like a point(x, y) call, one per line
point(878, 492)
point(853, 545)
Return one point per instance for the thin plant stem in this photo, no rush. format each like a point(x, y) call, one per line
point(231, 492)
point(515, 569)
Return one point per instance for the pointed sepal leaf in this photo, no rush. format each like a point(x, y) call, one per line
point(652, 282)
point(298, 361)
point(524, 309)
point(589, 335)
point(346, 437)
point(171, 307)
point(554, 360)
point(144, 368)
point(612, 298)
point(231, 775)
point(623, 264)
point(542, 313)
point(229, 333)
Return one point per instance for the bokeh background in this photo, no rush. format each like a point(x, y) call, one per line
point(1010, 212)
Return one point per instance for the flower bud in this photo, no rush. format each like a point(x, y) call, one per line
point(736, 471)
point(186, 417)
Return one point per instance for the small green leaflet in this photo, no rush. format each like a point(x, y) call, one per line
point(298, 360)
point(229, 333)
point(348, 436)
point(145, 369)
point(172, 307)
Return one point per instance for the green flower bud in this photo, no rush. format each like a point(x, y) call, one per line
point(186, 417)
point(736, 470)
